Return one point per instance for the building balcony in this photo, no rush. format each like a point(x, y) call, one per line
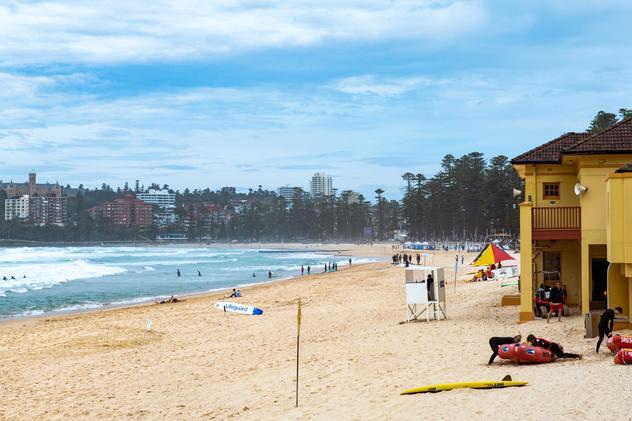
point(556, 223)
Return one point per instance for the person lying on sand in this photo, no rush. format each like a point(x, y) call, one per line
point(172, 299)
point(555, 348)
point(497, 341)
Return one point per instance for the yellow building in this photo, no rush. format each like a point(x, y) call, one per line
point(576, 219)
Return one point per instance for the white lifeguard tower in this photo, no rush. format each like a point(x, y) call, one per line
point(422, 299)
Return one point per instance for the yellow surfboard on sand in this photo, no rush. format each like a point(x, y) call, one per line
point(464, 385)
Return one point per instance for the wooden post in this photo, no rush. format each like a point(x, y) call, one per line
point(298, 342)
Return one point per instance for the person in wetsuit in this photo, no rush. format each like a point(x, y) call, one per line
point(554, 347)
point(606, 324)
point(497, 341)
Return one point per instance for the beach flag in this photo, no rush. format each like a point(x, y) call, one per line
point(491, 254)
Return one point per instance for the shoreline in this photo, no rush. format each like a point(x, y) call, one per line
point(106, 307)
point(198, 362)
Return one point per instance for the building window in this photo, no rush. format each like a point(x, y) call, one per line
point(551, 191)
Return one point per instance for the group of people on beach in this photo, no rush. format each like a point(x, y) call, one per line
point(606, 327)
point(532, 340)
point(406, 259)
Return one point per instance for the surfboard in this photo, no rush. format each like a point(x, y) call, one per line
point(464, 385)
point(238, 308)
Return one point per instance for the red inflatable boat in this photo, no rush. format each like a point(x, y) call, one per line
point(624, 357)
point(618, 342)
point(523, 353)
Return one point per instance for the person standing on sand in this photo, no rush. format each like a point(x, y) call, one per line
point(325, 268)
point(309, 270)
point(497, 341)
point(302, 270)
point(606, 324)
point(557, 302)
point(350, 263)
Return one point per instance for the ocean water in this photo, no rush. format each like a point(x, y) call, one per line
point(61, 279)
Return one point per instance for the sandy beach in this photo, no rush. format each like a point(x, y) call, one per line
point(199, 363)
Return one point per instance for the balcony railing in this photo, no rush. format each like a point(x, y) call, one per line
point(556, 223)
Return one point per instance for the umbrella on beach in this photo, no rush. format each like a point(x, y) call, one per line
point(491, 254)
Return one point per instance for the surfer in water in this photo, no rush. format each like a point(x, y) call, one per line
point(269, 274)
point(178, 273)
point(199, 273)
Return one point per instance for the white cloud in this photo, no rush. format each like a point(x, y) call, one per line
point(103, 31)
point(369, 84)
point(21, 88)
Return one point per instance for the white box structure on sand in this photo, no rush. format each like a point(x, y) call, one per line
point(425, 293)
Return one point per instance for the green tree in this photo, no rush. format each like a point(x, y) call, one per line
point(602, 121)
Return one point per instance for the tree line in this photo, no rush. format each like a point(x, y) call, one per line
point(468, 198)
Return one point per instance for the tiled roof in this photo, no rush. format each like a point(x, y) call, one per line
point(615, 139)
point(551, 152)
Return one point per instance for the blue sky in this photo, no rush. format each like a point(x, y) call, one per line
point(241, 93)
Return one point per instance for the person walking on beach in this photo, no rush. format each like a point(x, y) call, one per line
point(178, 273)
point(309, 270)
point(302, 270)
point(606, 324)
point(418, 259)
point(497, 341)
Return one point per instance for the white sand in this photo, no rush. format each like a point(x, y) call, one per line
point(199, 363)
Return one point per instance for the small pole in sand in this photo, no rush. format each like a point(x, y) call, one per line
point(456, 270)
point(298, 342)
point(148, 325)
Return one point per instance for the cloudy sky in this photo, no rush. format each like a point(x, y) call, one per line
point(205, 93)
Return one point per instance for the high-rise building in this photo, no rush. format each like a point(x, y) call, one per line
point(288, 192)
point(17, 208)
point(37, 203)
point(166, 203)
point(125, 212)
point(321, 185)
point(48, 210)
point(161, 198)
